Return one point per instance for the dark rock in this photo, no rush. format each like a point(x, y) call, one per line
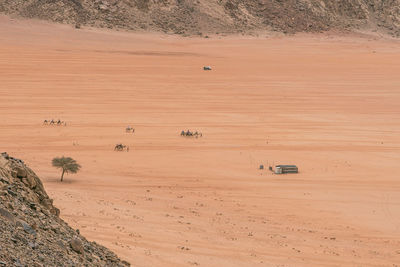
point(21, 172)
point(11, 192)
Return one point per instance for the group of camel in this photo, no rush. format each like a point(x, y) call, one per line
point(121, 147)
point(54, 122)
point(189, 133)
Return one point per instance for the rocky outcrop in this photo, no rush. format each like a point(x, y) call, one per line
point(31, 232)
point(213, 16)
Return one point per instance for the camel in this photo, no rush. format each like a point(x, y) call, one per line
point(45, 122)
point(121, 147)
point(129, 129)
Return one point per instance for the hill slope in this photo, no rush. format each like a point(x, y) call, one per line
point(213, 16)
point(31, 232)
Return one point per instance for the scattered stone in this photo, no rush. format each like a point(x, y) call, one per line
point(32, 206)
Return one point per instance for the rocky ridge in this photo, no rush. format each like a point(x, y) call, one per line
point(200, 17)
point(31, 231)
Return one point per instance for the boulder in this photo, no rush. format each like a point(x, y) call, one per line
point(55, 211)
point(21, 172)
point(47, 203)
point(76, 245)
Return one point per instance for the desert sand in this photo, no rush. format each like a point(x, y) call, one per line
point(327, 103)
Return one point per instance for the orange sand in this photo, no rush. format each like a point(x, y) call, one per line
point(330, 104)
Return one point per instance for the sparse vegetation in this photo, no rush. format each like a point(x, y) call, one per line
point(67, 164)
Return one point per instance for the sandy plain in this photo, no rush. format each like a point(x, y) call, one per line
point(328, 103)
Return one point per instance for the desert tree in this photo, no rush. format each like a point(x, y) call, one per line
point(67, 164)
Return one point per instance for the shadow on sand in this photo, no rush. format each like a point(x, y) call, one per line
point(56, 180)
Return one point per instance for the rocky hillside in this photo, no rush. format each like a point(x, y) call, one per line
point(199, 17)
point(31, 232)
